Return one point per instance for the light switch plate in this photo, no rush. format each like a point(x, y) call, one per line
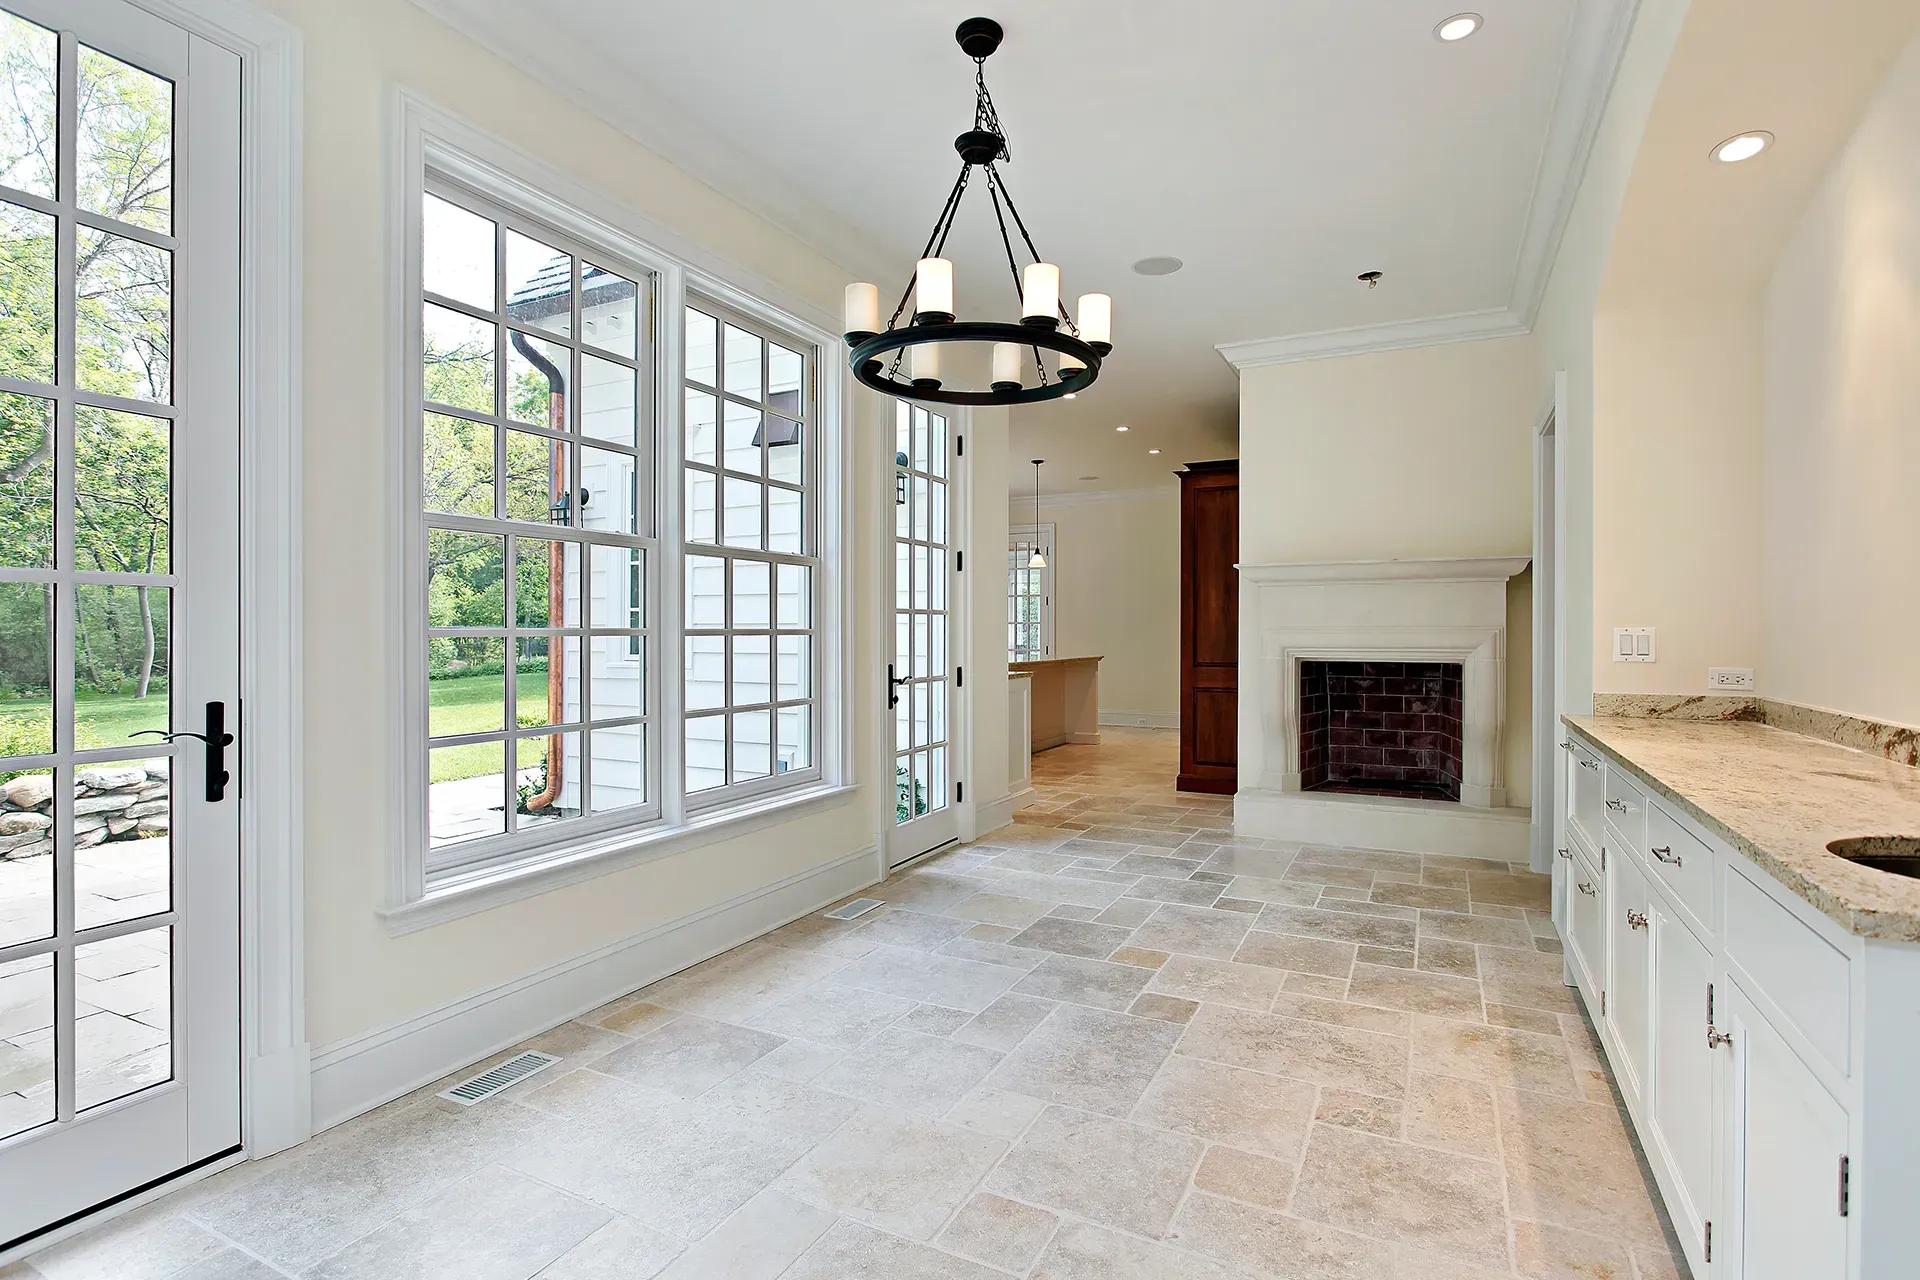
point(1730, 679)
point(1633, 644)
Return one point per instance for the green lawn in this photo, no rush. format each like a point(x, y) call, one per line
point(469, 704)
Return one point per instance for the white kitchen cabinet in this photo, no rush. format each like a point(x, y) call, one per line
point(1630, 989)
point(1586, 930)
point(1787, 1137)
point(1586, 786)
point(1684, 1065)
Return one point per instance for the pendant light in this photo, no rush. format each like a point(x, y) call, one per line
point(1039, 561)
point(1078, 341)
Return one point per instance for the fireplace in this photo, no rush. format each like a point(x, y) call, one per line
point(1381, 728)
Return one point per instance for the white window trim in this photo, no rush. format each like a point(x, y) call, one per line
point(427, 137)
point(1043, 533)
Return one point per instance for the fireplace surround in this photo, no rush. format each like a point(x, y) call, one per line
point(1451, 611)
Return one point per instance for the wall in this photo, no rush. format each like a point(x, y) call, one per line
point(1116, 593)
point(1842, 427)
point(1398, 455)
point(359, 978)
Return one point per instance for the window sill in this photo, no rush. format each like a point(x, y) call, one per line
point(493, 887)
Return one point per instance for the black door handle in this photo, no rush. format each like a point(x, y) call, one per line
point(217, 739)
point(893, 684)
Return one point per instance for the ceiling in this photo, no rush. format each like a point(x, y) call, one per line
point(1278, 147)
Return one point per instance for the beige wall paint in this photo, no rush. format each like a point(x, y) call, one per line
point(986, 580)
point(1676, 482)
point(1116, 592)
point(358, 977)
point(1401, 455)
point(1842, 427)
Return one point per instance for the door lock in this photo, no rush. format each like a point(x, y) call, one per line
point(217, 740)
point(1717, 1038)
point(893, 687)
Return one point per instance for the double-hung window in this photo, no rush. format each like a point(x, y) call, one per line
point(564, 701)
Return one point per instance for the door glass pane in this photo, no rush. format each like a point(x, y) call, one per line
point(539, 285)
point(456, 252)
point(29, 78)
point(26, 274)
point(466, 793)
point(120, 663)
point(123, 479)
point(124, 317)
point(26, 876)
point(26, 481)
point(122, 841)
point(26, 669)
point(26, 1043)
point(126, 142)
point(123, 991)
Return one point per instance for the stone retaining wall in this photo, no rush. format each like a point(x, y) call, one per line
point(122, 801)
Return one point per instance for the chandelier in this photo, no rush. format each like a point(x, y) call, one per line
point(1065, 355)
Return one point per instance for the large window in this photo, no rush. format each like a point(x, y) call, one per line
point(1029, 593)
point(541, 546)
point(749, 563)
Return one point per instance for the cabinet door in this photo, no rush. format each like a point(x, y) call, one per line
point(1586, 936)
point(1630, 989)
point(1585, 785)
point(1683, 1071)
point(1788, 1135)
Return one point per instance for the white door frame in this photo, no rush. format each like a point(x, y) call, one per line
point(1549, 626)
point(275, 1087)
point(960, 605)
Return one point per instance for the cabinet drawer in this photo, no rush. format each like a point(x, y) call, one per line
point(1806, 976)
point(1585, 785)
point(1587, 930)
point(1626, 807)
point(1682, 864)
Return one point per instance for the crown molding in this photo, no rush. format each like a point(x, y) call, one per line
point(662, 127)
point(1596, 42)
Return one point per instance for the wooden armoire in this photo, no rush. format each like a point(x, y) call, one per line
point(1209, 627)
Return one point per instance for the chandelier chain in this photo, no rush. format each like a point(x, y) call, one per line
point(985, 117)
point(993, 190)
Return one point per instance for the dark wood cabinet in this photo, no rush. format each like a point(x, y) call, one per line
point(1209, 627)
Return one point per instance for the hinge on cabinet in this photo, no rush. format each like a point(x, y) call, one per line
point(959, 446)
point(959, 562)
point(959, 677)
point(650, 311)
point(1709, 1004)
point(1709, 1241)
point(959, 792)
point(1603, 1004)
point(1845, 1176)
point(1603, 857)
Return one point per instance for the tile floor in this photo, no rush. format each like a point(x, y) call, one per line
point(1109, 1041)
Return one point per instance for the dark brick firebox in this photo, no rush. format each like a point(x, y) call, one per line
point(1381, 728)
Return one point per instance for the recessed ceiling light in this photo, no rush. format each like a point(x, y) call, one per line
point(1157, 266)
point(1458, 27)
point(1070, 395)
point(1121, 427)
point(1153, 451)
point(1742, 146)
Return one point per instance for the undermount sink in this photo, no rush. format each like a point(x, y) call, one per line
point(1897, 854)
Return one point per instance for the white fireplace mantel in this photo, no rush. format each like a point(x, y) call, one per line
point(1440, 610)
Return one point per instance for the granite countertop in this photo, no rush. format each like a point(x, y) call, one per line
point(1778, 798)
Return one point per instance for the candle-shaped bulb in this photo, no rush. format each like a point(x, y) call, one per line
point(1040, 293)
point(1070, 364)
point(1006, 364)
point(933, 288)
point(1096, 320)
point(925, 364)
point(862, 309)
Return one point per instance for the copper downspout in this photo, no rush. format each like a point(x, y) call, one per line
point(556, 575)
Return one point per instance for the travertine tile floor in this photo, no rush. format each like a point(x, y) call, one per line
point(1110, 1041)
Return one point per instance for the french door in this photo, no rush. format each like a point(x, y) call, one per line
point(920, 677)
point(119, 609)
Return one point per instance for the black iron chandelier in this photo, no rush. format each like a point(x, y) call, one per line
point(1046, 332)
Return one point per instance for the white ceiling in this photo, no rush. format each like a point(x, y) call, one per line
point(1279, 147)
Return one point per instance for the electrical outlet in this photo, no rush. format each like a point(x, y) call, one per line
point(1633, 644)
point(1730, 679)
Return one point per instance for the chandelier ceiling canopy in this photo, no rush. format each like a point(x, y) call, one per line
point(1046, 355)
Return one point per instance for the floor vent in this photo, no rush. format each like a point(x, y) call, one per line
point(858, 907)
point(494, 1079)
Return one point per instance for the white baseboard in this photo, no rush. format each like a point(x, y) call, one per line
point(282, 1115)
point(995, 814)
point(1140, 719)
point(1065, 740)
point(362, 1072)
point(1384, 822)
point(1025, 796)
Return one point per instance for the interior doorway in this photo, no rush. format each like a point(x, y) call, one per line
point(921, 675)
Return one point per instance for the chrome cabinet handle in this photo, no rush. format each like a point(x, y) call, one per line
point(1636, 919)
point(1585, 888)
point(1589, 764)
point(1565, 854)
point(1565, 745)
point(1715, 1038)
point(1666, 854)
point(1618, 806)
